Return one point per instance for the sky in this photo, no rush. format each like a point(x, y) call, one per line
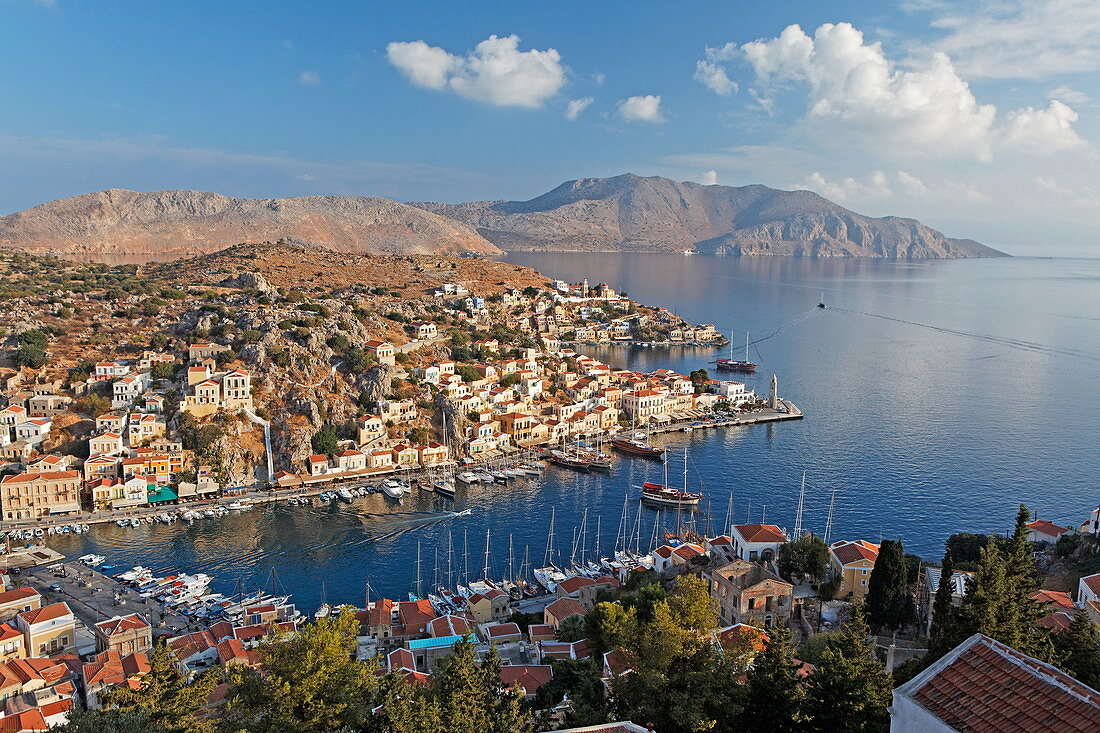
point(978, 117)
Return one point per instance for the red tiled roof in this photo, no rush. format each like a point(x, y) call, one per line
point(506, 629)
point(46, 613)
point(987, 686)
point(401, 659)
point(1092, 582)
point(1053, 598)
point(849, 552)
point(122, 623)
point(574, 584)
point(1042, 525)
point(564, 608)
point(17, 594)
point(25, 721)
point(760, 533)
point(415, 615)
point(528, 676)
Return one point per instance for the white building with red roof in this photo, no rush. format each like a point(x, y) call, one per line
point(757, 541)
point(1043, 531)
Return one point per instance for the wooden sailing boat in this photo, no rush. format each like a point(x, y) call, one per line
point(733, 365)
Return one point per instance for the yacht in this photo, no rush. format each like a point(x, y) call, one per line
point(393, 488)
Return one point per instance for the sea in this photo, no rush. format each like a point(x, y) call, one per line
point(938, 396)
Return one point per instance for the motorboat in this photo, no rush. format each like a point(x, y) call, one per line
point(393, 488)
point(344, 495)
point(91, 560)
point(468, 477)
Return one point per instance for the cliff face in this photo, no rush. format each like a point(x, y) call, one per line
point(631, 213)
point(181, 222)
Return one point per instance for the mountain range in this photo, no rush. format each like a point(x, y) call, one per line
point(621, 213)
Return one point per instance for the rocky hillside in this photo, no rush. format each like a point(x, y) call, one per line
point(631, 213)
point(189, 222)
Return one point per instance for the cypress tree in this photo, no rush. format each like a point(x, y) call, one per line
point(1078, 650)
point(850, 691)
point(943, 635)
point(888, 601)
point(773, 700)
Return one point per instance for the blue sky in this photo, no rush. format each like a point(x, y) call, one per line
point(977, 117)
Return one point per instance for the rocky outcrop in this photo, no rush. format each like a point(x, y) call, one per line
point(186, 222)
point(631, 213)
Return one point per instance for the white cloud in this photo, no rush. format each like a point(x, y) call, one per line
point(496, 72)
point(1020, 39)
point(710, 73)
point(856, 91)
point(309, 78)
point(709, 178)
point(880, 186)
point(575, 107)
point(1041, 131)
point(1068, 95)
point(645, 108)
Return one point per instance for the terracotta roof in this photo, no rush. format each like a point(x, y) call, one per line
point(415, 615)
point(449, 626)
point(983, 685)
point(21, 478)
point(760, 533)
point(401, 659)
point(1053, 598)
point(1092, 582)
point(565, 607)
point(528, 676)
point(505, 629)
point(25, 721)
point(1042, 525)
point(46, 613)
point(18, 594)
point(850, 552)
point(122, 623)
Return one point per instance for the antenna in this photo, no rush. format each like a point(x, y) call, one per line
point(829, 521)
point(798, 514)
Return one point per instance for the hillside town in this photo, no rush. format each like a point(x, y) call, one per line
point(452, 373)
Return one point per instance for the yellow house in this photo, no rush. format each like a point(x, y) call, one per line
point(11, 643)
point(48, 630)
point(852, 562)
point(18, 600)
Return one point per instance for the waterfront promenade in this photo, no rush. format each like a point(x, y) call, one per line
point(261, 493)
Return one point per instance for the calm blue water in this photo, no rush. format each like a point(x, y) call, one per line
point(938, 396)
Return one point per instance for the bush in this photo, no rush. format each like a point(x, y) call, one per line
point(29, 356)
point(324, 441)
point(338, 343)
point(164, 370)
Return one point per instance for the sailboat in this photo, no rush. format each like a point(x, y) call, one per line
point(549, 575)
point(665, 495)
point(445, 484)
point(733, 365)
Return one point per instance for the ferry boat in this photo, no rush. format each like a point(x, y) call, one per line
point(733, 365)
point(637, 448)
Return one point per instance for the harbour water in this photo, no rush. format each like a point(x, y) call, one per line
point(938, 396)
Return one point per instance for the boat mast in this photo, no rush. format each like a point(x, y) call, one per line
point(597, 539)
point(829, 521)
point(525, 568)
point(798, 514)
point(746, 347)
point(548, 559)
point(419, 589)
point(511, 566)
point(465, 558)
point(638, 529)
point(485, 569)
point(656, 524)
point(729, 517)
point(584, 535)
point(623, 525)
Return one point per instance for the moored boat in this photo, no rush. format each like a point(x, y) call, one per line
point(637, 448)
point(668, 496)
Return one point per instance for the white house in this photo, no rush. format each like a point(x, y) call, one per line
point(33, 431)
point(129, 388)
point(1043, 531)
point(1088, 589)
point(757, 541)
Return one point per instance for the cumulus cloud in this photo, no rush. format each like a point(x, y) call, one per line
point(309, 78)
point(575, 107)
point(496, 72)
point(709, 178)
point(646, 108)
point(1020, 39)
point(926, 108)
point(710, 73)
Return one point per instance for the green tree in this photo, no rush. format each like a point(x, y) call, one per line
point(165, 698)
point(850, 691)
point(1078, 650)
point(692, 605)
point(699, 378)
point(807, 555)
point(966, 549)
point(93, 405)
point(30, 356)
point(325, 440)
point(944, 634)
point(469, 695)
point(773, 696)
point(611, 626)
point(468, 373)
point(889, 603)
point(581, 681)
point(311, 683)
point(405, 708)
point(572, 628)
point(131, 720)
point(164, 370)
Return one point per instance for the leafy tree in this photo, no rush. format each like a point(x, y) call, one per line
point(30, 356)
point(699, 377)
point(807, 555)
point(324, 441)
point(405, 708)
point(1078, 649)
point(610, 626)
point(572, 628)
point(131, 720)
point(311, 683)
point(888, 601)
point(644, 599)
point(509, 380)
point(93, 405)
point(581, 681)
point(163, 370)
point(468, 373)
point(773, 696)
point(691, 603)
point(165, 698)
point(850, 690)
